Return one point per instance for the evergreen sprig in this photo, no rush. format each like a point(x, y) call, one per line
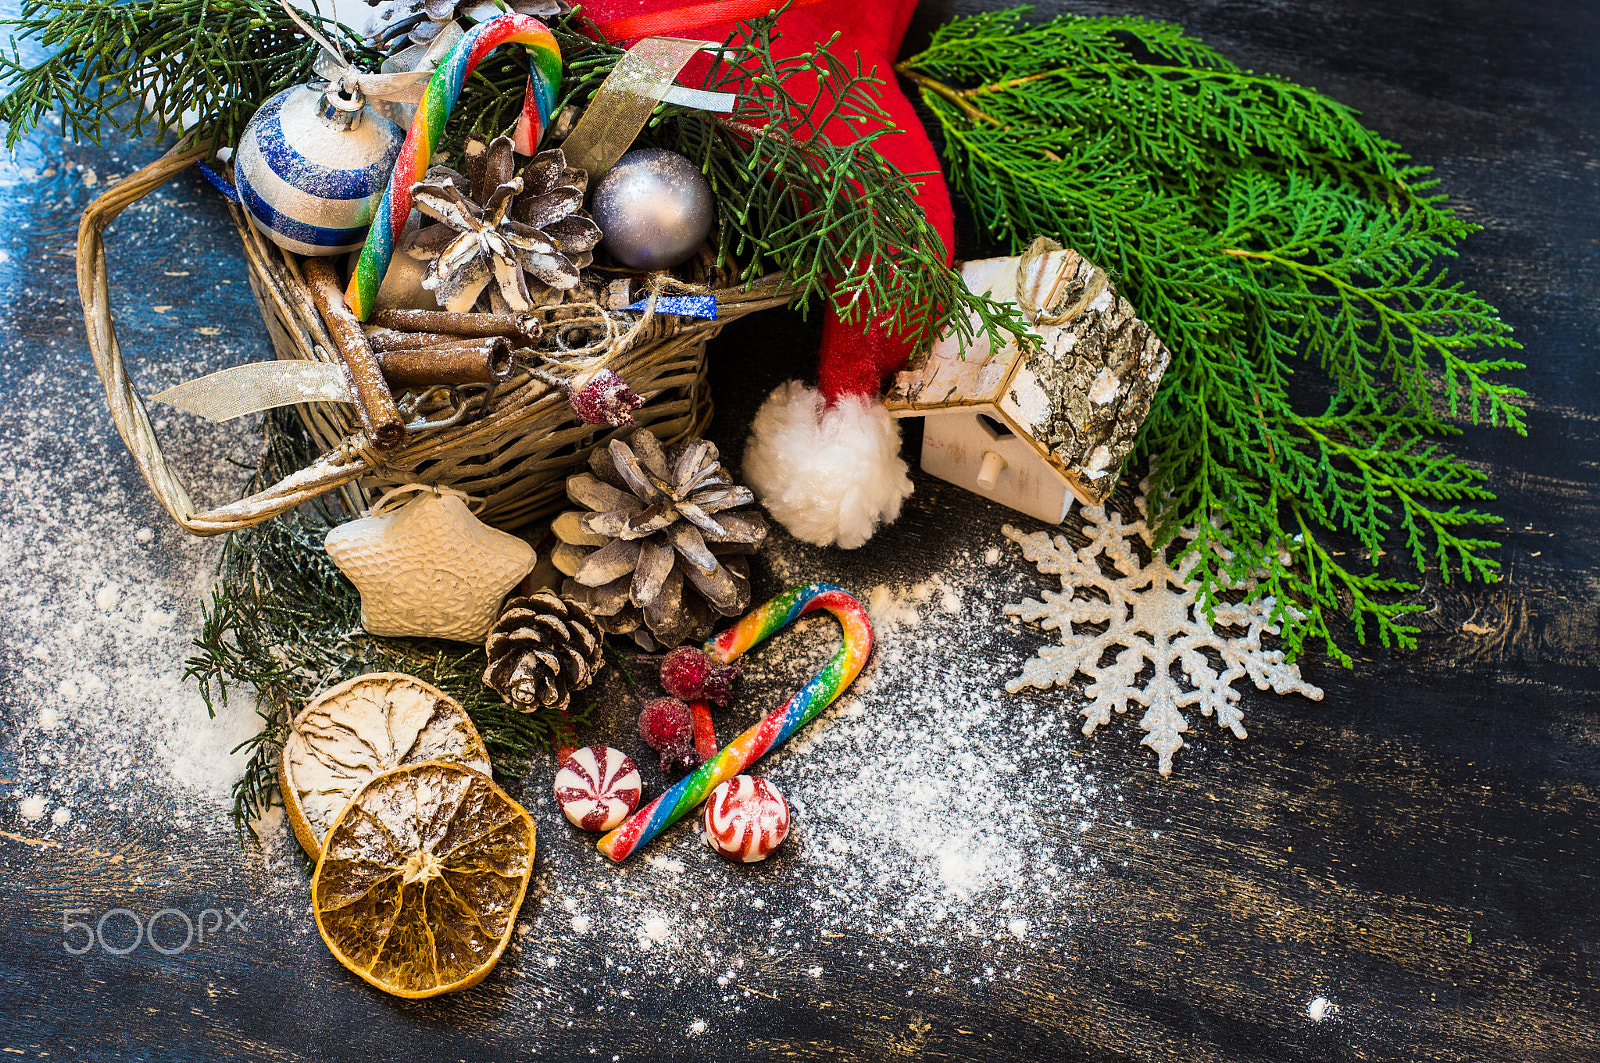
point(153, 66)
point(1258, 227)
point(285, 622)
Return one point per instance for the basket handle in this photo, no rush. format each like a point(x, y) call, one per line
point(338, 467)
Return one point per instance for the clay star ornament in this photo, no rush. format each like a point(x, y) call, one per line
point(427, 567)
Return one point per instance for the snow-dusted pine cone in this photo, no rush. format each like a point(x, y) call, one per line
point(500, 227)
point(542, 649)
point(400, 22)
point(659, 553)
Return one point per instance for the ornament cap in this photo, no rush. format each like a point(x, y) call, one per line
point(342, 104)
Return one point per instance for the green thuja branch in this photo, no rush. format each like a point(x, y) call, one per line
point(285, 622)
point(1259, 228)
point(152, 66)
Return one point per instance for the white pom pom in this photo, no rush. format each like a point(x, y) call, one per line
point(828, 474)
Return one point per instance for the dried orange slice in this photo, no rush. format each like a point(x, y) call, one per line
point(421, 877)
point(366, 725)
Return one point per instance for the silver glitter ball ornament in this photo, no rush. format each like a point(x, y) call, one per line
point(654, 207)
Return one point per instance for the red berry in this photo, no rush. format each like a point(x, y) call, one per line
point(666, 722)
point(684, 672)
point(688, 673)
point(719, 684)
point(606, 399)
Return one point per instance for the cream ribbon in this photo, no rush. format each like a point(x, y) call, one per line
point(258, 386)
point(397, 89)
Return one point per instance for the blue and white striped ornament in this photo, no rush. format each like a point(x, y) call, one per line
point(311, 167)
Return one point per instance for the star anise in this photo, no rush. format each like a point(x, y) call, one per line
point(490, 230)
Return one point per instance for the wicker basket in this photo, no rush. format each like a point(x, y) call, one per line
point(515, 457)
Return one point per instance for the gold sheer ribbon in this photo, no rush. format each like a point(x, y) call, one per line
point(642, 78)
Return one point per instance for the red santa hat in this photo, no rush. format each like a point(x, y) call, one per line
point(825, 460)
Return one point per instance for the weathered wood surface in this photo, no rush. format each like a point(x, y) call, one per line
point(1422, 846)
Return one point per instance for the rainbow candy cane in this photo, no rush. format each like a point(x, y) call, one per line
point(544, 78)
point(782, 722)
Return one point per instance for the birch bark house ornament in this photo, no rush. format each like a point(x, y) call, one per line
point(428, 567)
point(1032, 427)
point(1152, 616)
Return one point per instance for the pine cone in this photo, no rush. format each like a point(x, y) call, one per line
point(419, 21)
point(498, 227)
point(659, 555)
point(541, 649)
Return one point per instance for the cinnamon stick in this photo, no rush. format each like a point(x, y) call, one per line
point(380, 417)
point(474, 361)
point(510, 325)
point(382, 340)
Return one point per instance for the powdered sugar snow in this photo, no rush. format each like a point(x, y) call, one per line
point(102, 625)
point(101, 591)
point(914, 790)
point(929, 808)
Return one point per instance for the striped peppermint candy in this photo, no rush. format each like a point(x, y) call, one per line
point(310, 187)
point(745, 818)
point(597, 787)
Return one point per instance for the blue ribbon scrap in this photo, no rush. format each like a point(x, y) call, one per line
point(682, 305)
point(222, 184)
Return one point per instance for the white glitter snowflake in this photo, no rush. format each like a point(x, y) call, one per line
point(1152, 619)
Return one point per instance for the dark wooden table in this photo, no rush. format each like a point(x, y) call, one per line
point(1421, 848)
